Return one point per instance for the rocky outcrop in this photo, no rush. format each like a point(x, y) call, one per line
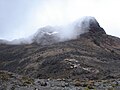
point(46, 36)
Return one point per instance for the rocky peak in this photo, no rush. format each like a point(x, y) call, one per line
point(92, 28)
point(93, 25)
point(86, 25)
point(46, 35)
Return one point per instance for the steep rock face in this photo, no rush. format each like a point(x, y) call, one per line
point(93, 26)
point(93, 55)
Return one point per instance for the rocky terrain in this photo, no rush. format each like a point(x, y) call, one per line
point(12, 81)
point(91, 61)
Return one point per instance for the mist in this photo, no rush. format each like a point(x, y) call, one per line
point(52, 34)
point(23, 18)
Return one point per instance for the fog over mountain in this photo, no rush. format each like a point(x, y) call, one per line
point(53, 45)
point(49, 35)
point(81, 50)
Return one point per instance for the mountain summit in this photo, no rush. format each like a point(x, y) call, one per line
point(49, 35)
point(89, 25)
point(93, 25)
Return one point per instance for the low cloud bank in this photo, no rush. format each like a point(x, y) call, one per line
point(49, 35)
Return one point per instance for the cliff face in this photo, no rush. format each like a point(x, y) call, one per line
point(93, 55)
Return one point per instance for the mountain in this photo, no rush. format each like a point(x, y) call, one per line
point(91, 55)
point(46, 36)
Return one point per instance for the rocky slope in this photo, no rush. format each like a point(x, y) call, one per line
point(12, 81)
point(94, 55)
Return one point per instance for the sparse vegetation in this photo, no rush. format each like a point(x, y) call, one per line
point(92, 56)
point(26, 80)
point(4, 76)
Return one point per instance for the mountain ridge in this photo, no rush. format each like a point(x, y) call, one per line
point(93, 55)
point(49, 35)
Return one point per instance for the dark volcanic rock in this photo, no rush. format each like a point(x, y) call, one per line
point(94, 28)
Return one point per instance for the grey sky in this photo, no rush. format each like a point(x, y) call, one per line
point(21, 18)
point(14, 18)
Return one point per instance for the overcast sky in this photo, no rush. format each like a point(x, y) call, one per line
point(21, 18)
